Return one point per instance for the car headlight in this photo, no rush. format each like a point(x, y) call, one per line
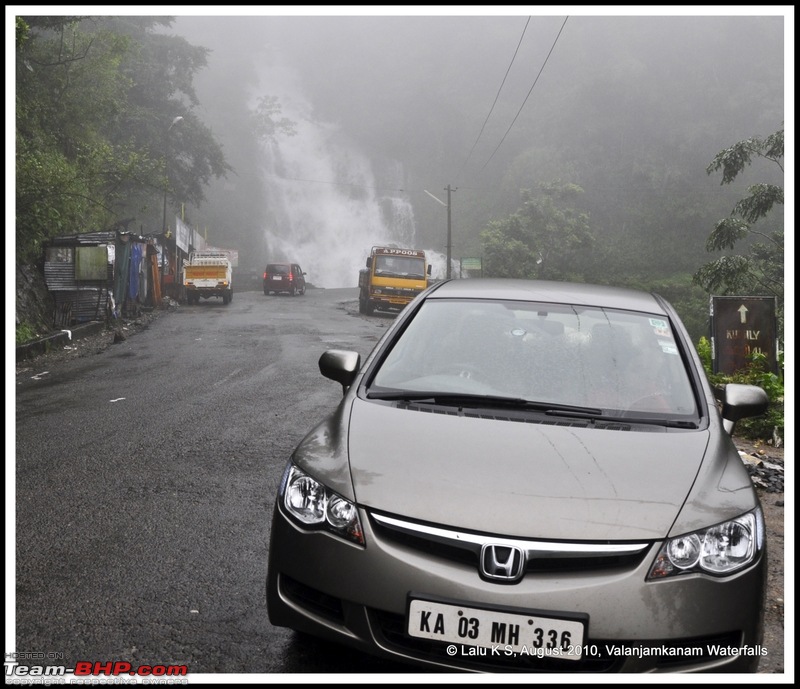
point(718, 550)
point(317, 507)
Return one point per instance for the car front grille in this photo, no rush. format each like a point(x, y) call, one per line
point(397, 292)
point(540, 556)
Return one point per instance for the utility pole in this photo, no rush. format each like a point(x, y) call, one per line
point(164, 219)
point(449, 246)
point(166, 172)
point(449, 231)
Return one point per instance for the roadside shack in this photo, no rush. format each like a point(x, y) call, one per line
point(96, 276)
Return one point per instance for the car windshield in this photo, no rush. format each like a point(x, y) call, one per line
point(564, 355)
point(278, 268)
point(403, 266)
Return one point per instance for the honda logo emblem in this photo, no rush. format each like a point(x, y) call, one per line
point(502, 562)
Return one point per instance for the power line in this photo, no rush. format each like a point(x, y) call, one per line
point(498, 92)
point(528, 96)
point(626, 188)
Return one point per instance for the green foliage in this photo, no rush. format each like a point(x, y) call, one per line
point(94, 99)
point(704, 352)
point(22, 31)
point(25, 333)
point(505, 254)
point(733, 160)
point(757, 372)
point(760, 270)
point(547, 238)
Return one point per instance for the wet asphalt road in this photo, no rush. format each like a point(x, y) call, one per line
point(145, 479)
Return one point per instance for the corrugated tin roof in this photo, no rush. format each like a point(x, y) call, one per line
point(92, 238)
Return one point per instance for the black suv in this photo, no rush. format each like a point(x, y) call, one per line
point(284, 277)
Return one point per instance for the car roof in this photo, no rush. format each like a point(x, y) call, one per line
point(549, 291)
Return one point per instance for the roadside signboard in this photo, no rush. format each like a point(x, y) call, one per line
point(471, 264)
point(741, 327)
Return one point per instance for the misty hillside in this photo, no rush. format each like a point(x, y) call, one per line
point(631, 109)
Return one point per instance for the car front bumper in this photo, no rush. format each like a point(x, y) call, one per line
point(319, 584)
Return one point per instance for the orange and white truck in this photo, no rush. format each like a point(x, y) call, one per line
point(391, 278)
point(208, 274)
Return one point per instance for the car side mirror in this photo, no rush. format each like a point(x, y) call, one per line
point(429, 269)
point(340, 365)
point(741, 402)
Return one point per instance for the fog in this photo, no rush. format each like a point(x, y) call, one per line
point(391, 110)
point(321, 195)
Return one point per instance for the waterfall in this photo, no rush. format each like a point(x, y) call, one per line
point(325, 205)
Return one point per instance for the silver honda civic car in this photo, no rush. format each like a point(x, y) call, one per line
point(526, 476)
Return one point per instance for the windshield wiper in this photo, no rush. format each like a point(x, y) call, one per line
point(649, 420)
point(570, 411)
point(459, 399)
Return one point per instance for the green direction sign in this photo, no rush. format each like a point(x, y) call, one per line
point(741, 327)
point(470, 264)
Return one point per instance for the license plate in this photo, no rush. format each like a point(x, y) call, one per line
point(277, 277)
point(502, 633)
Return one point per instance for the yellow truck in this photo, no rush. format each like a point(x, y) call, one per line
point(208, 274)
point(391, 279)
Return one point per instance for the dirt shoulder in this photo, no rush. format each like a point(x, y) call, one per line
point(765, 464)
point(96, 341)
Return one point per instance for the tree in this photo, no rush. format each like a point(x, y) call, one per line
point(265, 120)
point(759, 271)
point(547, 238)
point(94, 99)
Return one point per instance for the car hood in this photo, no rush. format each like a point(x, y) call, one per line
point(528, 480)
